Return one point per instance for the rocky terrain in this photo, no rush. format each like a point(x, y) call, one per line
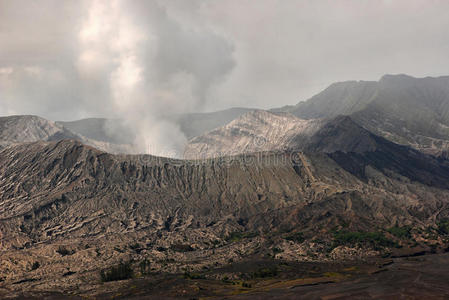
point(68, 211)
point(254, 131)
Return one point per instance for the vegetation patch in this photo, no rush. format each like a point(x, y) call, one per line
point(35, 265)
point(400, 232)
point(443, 227)
point(375, 240)
point(119, 250)
point(296, 237)
point(277, 250)
point(266, 272)
point(119, 272)
point(332, 274)
point(237, 236)
point(144, 266)
point(136, 247)
point(189, 275)
point(181, 248)
point(68, 273)
point(64, 251)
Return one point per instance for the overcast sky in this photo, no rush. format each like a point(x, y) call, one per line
point(65, 60)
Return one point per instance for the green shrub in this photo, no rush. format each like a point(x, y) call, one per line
point(64, 251)
point(296, 237)
point(135, 246)
point(266, 272)
point(144, 267)
point(237, 236)
point(120, 272)
point(277, 250)
point(400, 232)
point(181, 248)
point(189, 275)
point(373, 239)
point(68, 273)
point(119, 250)
point(35, 265)
point(443, 227)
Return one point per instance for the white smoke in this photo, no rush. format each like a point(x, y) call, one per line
point(149, 78)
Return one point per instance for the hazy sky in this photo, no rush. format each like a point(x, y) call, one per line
point(64, 59)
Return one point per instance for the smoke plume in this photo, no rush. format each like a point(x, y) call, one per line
point(154, 68)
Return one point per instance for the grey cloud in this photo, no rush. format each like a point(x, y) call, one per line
point(184, 48)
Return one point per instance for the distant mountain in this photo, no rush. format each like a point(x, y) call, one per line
point(342, 98)
point(254, 131)
point(20, 129)
point(406, 110)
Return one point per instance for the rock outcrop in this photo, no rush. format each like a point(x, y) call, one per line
point(255, 131)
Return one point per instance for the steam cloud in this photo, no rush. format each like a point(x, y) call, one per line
point(148, 76)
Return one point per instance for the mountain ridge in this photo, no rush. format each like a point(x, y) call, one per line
point(404, 109)
point(30, 128)
point(255, 131)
